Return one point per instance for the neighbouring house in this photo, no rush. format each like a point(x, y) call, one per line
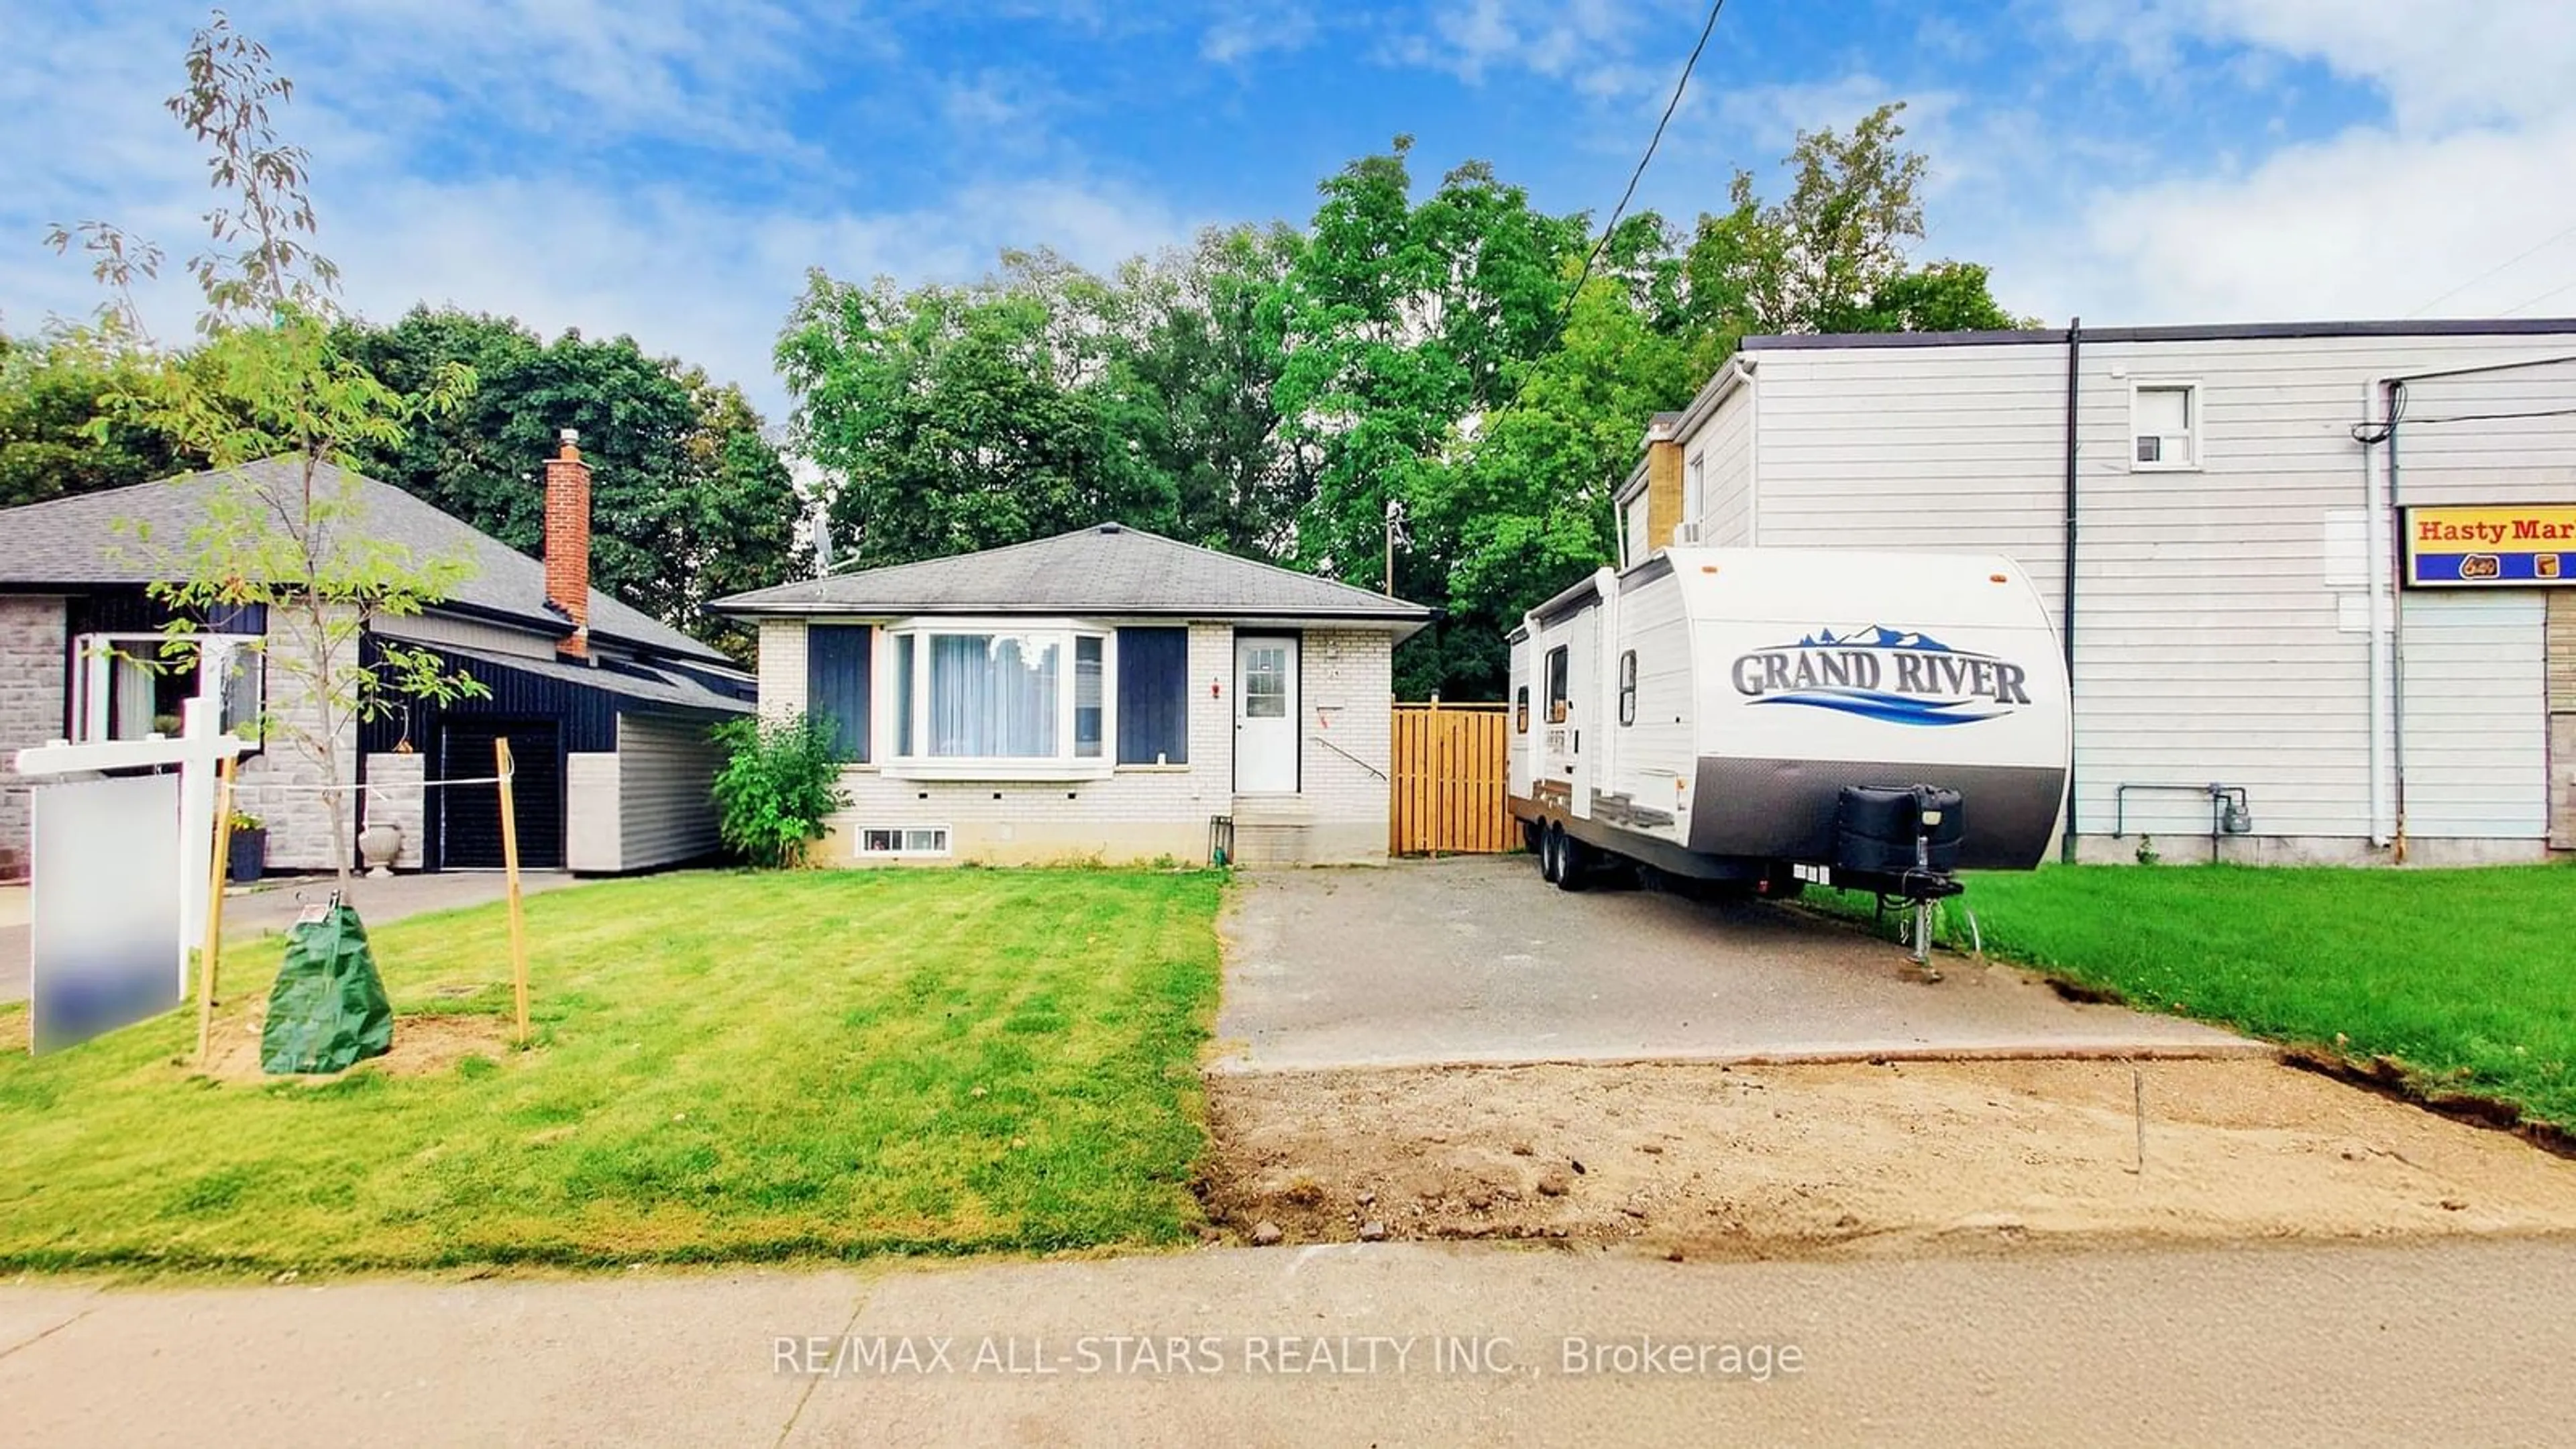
point(607, 710)
point(2316, 581)
point(1106, 694)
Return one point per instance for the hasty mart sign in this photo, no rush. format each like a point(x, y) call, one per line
point(2510, 547)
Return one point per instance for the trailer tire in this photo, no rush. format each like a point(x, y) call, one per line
point(1548, 857)
point(1573, 860)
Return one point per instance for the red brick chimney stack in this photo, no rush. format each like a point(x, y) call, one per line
point(568, 542)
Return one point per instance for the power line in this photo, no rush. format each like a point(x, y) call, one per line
point(2536, 301)
point(1565, 313)
point(2498, 267)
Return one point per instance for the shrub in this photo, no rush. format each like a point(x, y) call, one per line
point(781, 778)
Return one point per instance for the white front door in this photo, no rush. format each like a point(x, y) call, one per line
point(1265, 714)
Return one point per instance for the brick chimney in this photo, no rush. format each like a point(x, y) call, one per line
point(568, 543)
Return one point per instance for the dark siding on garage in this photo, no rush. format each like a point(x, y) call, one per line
point(836, 683)
point(470, 825)
point(1153, 696)
point(576, 719)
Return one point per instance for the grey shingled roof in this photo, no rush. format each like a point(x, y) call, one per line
point(74, 541)
point(644, 686)
point(1105, 569)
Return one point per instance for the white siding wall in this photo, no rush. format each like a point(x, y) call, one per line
point(2222, 611)
point(665, 775)
point(1724, 447)
point(1908, 447)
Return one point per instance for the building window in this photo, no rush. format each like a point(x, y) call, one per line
point(1018, 699)
point(1628, 688)
point(1559, 703)
point(2164, 425)
point(1520, 711)
point(904, 840)
point(130, 686)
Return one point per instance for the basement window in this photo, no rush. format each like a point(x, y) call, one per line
point(2164, 426)
point(904, 840)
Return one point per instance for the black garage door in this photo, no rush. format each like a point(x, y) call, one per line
point(470, 822)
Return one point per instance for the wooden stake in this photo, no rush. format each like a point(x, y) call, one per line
point(510, 866)
point(213, 949)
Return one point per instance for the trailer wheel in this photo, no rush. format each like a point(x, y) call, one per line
point(1550, 861)
point(1534, 837)
point(1573, 859)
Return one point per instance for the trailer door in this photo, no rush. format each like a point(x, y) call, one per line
point(1566, 668)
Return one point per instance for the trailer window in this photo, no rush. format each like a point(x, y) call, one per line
point(1557, 695)
point(1520, 711)
point(1628, 688)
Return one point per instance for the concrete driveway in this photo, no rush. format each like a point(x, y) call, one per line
point(1476, 960)
point(273, 906)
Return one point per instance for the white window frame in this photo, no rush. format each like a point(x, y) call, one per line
point(859, 842)
point(2196, 421)
point(94, 659)
point(1063, 765)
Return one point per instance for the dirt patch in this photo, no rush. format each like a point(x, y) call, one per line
point(423, 1046)
point(1705, 1161)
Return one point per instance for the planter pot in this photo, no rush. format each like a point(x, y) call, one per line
point(247, 856)
point(377, 846)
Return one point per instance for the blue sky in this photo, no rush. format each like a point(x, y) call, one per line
point(670, 168)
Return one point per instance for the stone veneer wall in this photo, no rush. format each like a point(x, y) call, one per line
point(32, 661)
point(394, 797)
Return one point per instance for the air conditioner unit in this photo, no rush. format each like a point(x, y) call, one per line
point(1685, 535)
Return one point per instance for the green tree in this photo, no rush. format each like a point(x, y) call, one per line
point(58, 436)
point(688, 501)
point(272, 385)
point(1833, 256)
point(958, 418)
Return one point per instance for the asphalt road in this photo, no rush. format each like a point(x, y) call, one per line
point(1476, 960)
point(2465, 1341)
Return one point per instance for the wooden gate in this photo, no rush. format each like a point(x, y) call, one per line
point(1450, 780)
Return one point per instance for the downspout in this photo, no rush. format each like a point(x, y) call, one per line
point(2066, 606)
point(2376, 575)
point(2395, 397)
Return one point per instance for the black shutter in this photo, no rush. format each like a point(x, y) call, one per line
point(1153, 696)
point(836, 683)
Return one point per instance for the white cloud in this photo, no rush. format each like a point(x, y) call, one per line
point(1244, 31)
point(2464, 173)
point(526, 211)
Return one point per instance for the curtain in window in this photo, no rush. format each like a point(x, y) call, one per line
point(993, 696)
point(132, 697)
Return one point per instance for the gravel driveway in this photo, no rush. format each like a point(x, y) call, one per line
point(1475, 960)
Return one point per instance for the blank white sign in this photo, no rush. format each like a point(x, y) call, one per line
point(102, 907)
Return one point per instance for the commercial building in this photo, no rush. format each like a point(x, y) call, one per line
point(2317, 582)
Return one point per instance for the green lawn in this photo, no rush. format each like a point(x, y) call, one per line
point(2466, 976)
point(731, 1066)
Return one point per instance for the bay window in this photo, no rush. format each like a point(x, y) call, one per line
point(1011, 699)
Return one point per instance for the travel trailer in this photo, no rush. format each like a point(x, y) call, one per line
point(1775, 717)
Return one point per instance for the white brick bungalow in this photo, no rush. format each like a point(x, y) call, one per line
point(1107, 694)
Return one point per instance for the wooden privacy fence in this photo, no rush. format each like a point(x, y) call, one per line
point(1450, 780)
